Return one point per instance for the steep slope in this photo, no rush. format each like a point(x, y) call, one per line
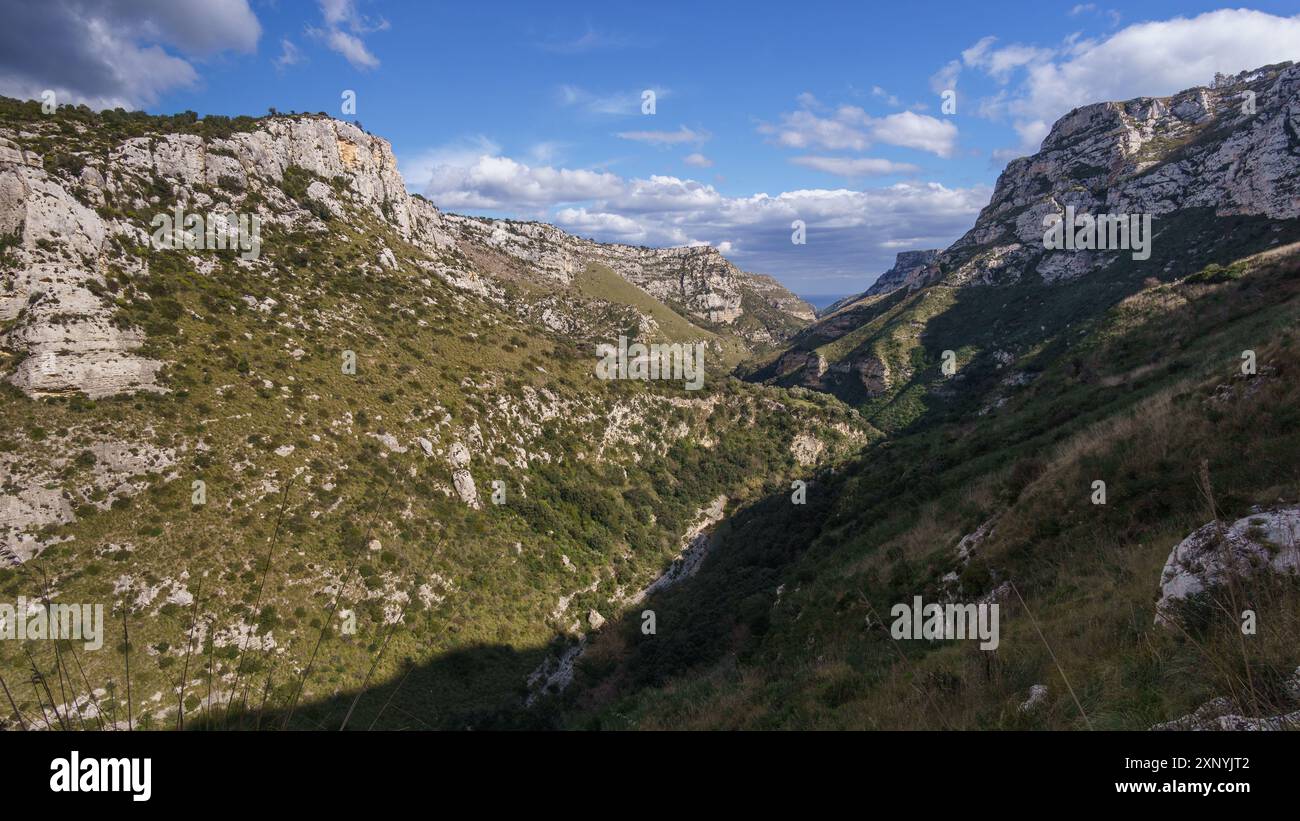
point(371, 431)
point(696, 282)
point(911, 269)
point(1171, 381)
point(1219, 178)
point(788, 625)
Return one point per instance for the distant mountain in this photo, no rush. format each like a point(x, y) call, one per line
point(1212, 170)
point(910, 269)
point(1101, 445)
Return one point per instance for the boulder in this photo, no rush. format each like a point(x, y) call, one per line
point(1264, 541)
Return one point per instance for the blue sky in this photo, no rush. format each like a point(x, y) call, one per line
point(764, 112)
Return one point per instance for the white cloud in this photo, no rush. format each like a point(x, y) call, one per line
point(1144, 59)
point(681, 135)
point(112, 53)
point(418, 170)
point(352, 49)
point(845, 129)
point(919, 131)
point(877, 91)
point(851, 232)
point(1000, 63)
point(697, 160)
point(945, 79)
point(496, 182)
point(342, 14)
point(854, 166)
point(289, 54)
point(806, 99)
point(850, 128)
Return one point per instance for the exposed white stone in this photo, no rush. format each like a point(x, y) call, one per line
point(1266, 540)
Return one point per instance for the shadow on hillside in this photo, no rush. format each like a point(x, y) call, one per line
point(480, 687)
point(483, 687)
point(1045, 319)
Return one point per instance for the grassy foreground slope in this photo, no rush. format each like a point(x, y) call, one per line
point(783, 626)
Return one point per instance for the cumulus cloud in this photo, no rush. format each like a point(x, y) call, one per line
point(920, 131)
point(490, 182)
point(1143, 59)
point(851, 233)
point(114, 52)
point(850, 128)
point(697, 160)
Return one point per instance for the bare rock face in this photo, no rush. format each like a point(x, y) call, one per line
point(806, 448)
point(32, 499)
point(1266, 541)
point(1224, 714)
point(24, 513)
point(873, 373)
point(697, 281)
point(1037, 697)
point(910, 271)
point(1200, 148)
point(458, 455)
point(325, 147)
point(806, 367)
point(63, 333)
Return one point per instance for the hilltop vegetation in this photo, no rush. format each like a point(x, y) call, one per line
point(350, 511)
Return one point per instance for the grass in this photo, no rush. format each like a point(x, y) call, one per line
point(257, 401)
point(1143, 416)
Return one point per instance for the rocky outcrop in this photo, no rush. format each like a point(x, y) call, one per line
point(863, 370)
point(1265, 541)
point(1185, 166)
point(1224, 714)
point(1037, 697)
point(804, 368)
point(910, 271)
point(461, 478)
point(696, 281)
point(33, 500)
point(806, 449)
point(323, 147)
point(1202, 148)
point(63, 332)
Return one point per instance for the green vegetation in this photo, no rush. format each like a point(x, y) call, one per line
point(1151, 400)
point(315, 478)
